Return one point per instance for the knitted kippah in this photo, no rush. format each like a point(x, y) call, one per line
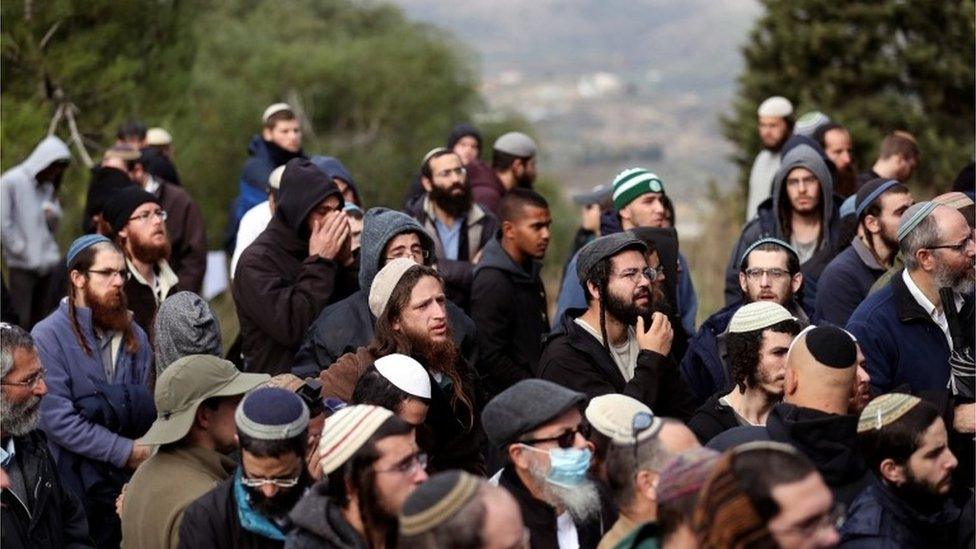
point(686, 473)
point(885, 410)
point(81, 244)
point(955, 200)
point(758, 315)
point(831, 346)
point(613, 415)
point(871, 191)
point(346, 432)
point(767, 240)
point(434, 502)
point(914, 215)
point(809, 122)
point(432, 152)
point(777, 106)
point(385, 282)
point(847, 206)
point(271, 413)
point(633, 182)
point(275, 109)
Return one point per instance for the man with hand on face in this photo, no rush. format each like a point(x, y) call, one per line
point(775, 127)
point(508, 299)
point(907, 502)
point(138, 224)
point(618, 344)
point(538, 425)
point(250, 509)
point(300, 263)
point(459, 227)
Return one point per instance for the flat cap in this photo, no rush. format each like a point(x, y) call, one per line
point(525, 406)
point(605, 246)
point(777, 106)
point(516, 144)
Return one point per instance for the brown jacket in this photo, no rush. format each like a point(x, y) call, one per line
point(187, 235)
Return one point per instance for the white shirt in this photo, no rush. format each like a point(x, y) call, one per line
point(253, 223)
point(566, 532)
point(764, 169)
point(938, 315)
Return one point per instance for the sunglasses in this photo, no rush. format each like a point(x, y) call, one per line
point(565, 440)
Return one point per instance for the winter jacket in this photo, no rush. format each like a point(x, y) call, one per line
point(347, 325)
point(575, 359)
point(766, 223)
point(46, 514)
point(828, 440)
point(252, 224)
point(91, 421)
point(26, 230)
point(187, 235)
point(155, 504)
point(508, 305)
point(213, 521)
point(140, 296)
point(457, 433)
point(486, 188)
point(880, 519)
point(478, 227)
point(319, 524)
point(901, 342)
point(712, 419)
point(845, 283)
point(278, 288)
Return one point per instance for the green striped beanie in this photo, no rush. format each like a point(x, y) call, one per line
point(633, 182)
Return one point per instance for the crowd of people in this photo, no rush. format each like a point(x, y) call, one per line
point(401, 377)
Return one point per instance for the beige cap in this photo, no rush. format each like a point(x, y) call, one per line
point(613, 415)
point(158, 136)
point(757, 316)
point(385, 282)
point(275, 109)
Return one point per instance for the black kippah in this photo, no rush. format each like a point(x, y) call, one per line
point(832, 347)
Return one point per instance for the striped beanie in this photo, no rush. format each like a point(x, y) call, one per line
point(346, 431)
point(758, 315)
point(633, 182)
point(885, 410)
point(436, 501)
point(913, 216)
point(686, 474)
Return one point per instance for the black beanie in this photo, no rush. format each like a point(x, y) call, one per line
point(463, 130)
point(120, 206)
point(105, 183)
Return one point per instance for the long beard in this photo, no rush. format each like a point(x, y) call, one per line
point(147, 252)
point(21, 418)
point(454, 204)
point(581, 502)
point(627, 312)
point(110, 312)
point(437, 356)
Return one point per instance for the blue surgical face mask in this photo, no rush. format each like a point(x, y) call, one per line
point(567, 466)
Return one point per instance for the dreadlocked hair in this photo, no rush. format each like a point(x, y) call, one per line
point(82, 263)
point(599, 276)
point(387, 340)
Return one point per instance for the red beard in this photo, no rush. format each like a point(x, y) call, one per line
point(147, 252)
point(110, 312)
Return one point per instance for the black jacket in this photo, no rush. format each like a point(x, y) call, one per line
point(540, 517)
point(712, 418)
point(278, 288)
point(319, 524)
point(212, 522)
point(575, 359)
point(56, 518)
point(508, 305)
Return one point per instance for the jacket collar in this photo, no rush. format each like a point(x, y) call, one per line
point(865, 255)
point(909, 310)
point(582, 341)
point(907, 514)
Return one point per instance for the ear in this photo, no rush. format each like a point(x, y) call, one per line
point(892, 472)
point(872, 224)
point(516, 454)
point(203, 417)
point(427, 184)
point(645, 482)
point(795, 283)
point(77, 279)
point(925, 260)
point(625, 213)
point(593, 290)
point(742, 283)
point(791, 381)
point(124, 233)
point(508, 228)
point(266, 134)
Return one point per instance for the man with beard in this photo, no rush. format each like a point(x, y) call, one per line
point(508, 298)
point(250, 509)
point(836, 142)
point(757, 340)
point(907, 503)
point(411, 319)
point(98, 362)
point(460, 228)
point(39, 511)
point(196, 397)
point(371, 465)
point(30, 213)
point(619, 343)
point(775, 127)
point(768, 271)
point(184, 223)
point(846, 281)
point(513, 164)
point(897, 158)
point(138, 224)
point(538, 426)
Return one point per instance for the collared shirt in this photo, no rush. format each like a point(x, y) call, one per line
point(164, 280)
point(7, 453)
point(152, 186)
point(450, 237)
point(109, 342)
point(566, 532)
point(938, 314)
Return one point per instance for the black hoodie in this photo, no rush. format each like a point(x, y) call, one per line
point(278, 288)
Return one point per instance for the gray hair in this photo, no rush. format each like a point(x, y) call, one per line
point(12, 337)
point(926, 233)
point(622, 468)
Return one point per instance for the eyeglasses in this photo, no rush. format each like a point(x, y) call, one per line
point(634, 275)
point(124, 274)
point(773, 274)
point(408, 466)
point(416, 253)
point(460, 170)
point(144, 216)
point(565, 440)
point(958, 248)
point(642, 421)
point(30, 382)
point(279, 482)
point(833, 519)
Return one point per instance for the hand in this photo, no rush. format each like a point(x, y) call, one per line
point(120, 500)
point(329, 235)
point(658, 338)
point(140, 453)
point(964, 420)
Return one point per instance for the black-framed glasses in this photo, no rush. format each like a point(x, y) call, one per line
point(408, 466)
point(567, 439)
point(633, 275)
point(958, 248)
point(31, 382)
point(124, 274)
point(144, 216)
point(642, 421)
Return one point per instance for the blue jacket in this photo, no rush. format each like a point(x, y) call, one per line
point(900, 341)
point(845, 283)
point(91, 456)
point(880, 519)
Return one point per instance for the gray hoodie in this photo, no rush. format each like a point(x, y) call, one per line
point(26, 231)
